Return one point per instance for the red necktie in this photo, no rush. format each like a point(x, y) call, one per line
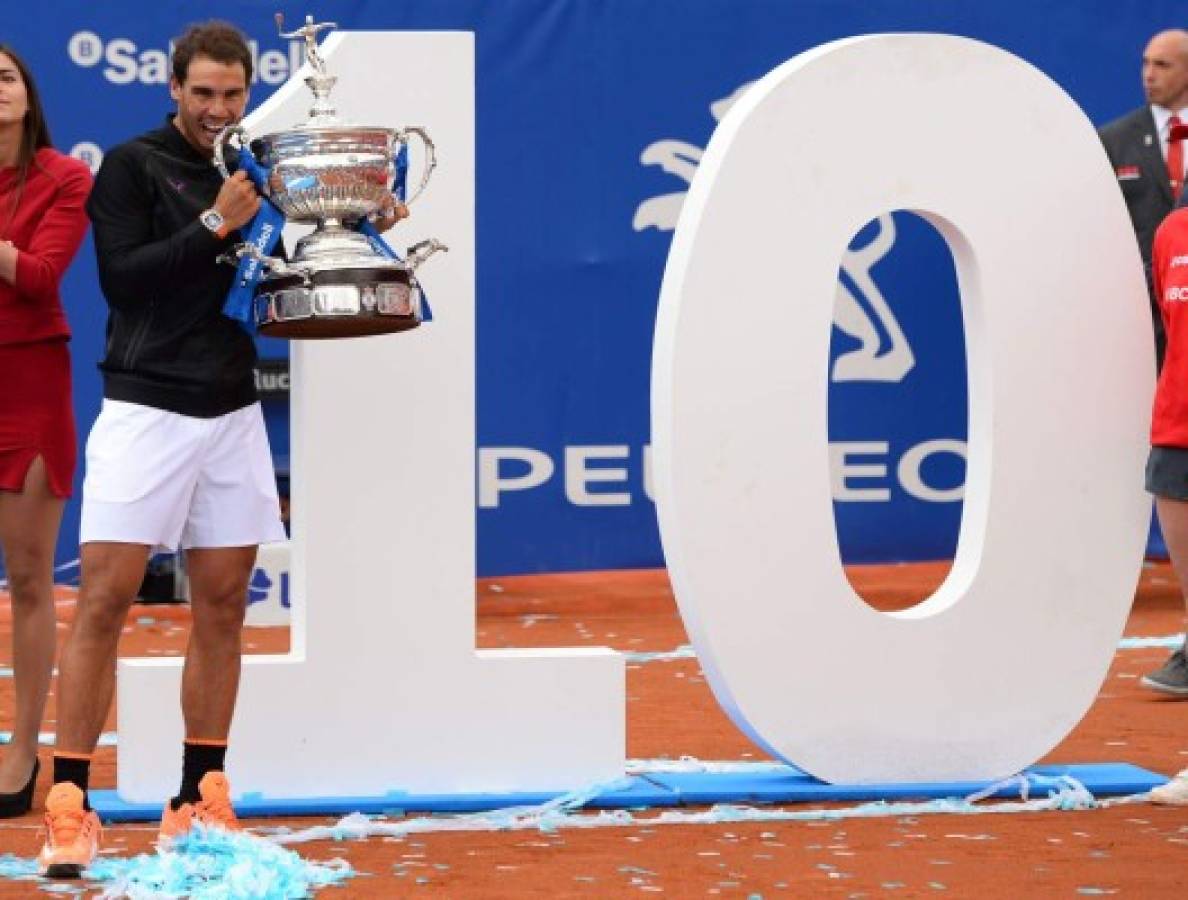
point(1175, 157)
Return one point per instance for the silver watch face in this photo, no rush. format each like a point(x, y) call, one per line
point(211, 219)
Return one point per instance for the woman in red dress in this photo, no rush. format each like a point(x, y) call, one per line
point(42, 223)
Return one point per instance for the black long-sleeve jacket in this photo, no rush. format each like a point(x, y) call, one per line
point(168, 344)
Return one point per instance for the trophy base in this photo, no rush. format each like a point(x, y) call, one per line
point(338, 303)
point(326, 327)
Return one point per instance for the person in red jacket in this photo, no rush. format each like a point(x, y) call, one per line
point(42, 223)
point(1167, 466)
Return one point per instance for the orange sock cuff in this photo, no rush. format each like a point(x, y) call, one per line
point(70, 754)
point(207, 742)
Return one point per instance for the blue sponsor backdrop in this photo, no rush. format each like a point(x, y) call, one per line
point(591, 118)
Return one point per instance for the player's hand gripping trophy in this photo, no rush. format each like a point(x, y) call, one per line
point(342, 280)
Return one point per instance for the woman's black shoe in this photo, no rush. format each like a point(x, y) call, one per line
point(13, 805)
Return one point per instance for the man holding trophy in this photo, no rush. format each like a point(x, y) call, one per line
point(178, 456)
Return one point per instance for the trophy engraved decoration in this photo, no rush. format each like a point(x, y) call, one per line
point(342, 280)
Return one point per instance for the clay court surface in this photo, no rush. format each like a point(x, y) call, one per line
point(1134, 850)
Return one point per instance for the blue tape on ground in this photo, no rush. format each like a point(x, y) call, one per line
point(666, 789)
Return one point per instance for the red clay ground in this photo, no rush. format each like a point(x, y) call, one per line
point(1135, 851)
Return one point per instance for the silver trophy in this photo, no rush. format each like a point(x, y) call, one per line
point(341, 280)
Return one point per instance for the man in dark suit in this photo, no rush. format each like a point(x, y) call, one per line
point(1141, 153)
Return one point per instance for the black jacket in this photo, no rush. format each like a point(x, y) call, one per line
point(168, 344)
point(1132, 144)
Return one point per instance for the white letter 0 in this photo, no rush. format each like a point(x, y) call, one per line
point(994, 669)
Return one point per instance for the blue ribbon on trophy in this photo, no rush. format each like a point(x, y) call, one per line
point(265, 229)
point(400, 185)
point(399, 191)
point(263, 232)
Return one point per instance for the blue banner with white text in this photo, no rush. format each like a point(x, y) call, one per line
point(592, 117)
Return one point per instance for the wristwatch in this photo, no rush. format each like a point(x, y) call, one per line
point(214, 222)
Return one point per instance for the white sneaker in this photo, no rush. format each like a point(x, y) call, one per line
point(1174, 793)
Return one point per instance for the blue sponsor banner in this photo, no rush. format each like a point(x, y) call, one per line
point(592, 116)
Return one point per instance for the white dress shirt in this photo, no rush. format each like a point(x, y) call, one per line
point(1162, 124)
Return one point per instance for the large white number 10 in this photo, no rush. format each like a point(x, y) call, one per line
point(384, 690)
point(995, 668)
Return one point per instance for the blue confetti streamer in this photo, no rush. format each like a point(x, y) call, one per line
point(685, 651)
point(212, 864)
point(693, 764)
point(1171, 642)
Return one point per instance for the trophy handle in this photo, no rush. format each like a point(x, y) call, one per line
point(274, 264)
point(224, 137)
point(430, 156)
point(418, 253)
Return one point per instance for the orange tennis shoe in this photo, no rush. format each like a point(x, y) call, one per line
point(213, 810)
point(71, 833)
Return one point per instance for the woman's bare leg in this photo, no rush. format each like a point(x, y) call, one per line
point(29, 523)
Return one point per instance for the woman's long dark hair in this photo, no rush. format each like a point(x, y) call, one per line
point(34, 135)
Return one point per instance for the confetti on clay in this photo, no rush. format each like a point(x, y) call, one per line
point(217, 865)
point(204, 865)
point(564, 812)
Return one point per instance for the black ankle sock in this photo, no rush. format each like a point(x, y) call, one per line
point(75, 770)
point(197, 760)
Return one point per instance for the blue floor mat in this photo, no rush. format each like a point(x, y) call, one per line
point(667, 789)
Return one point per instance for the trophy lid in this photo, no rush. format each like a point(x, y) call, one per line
point(321, 82)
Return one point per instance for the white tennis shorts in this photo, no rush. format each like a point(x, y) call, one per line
point(166, 480)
